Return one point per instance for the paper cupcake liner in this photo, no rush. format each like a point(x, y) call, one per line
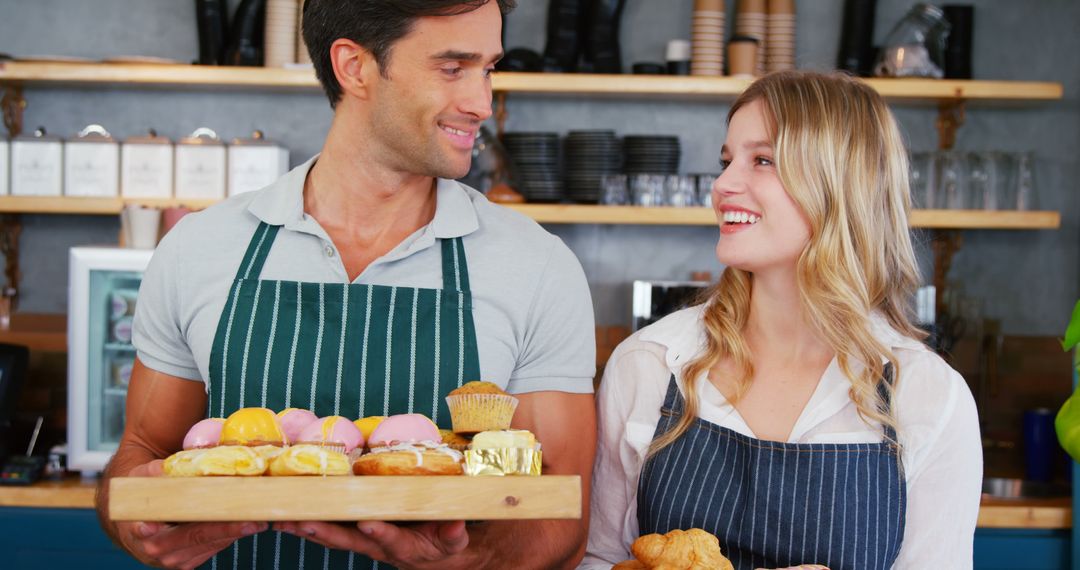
point(472, 413)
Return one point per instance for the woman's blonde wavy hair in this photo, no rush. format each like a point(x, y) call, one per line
point(841, 158)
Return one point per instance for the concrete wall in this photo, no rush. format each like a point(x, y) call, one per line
point(1028, 279)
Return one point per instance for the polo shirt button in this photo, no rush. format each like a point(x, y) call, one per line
point(329, 251)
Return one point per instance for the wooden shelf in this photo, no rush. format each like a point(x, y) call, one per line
point(93, 206)
point(44, 332)
point(573, 213)
point(187, 76)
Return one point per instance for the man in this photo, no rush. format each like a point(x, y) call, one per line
point(367, 282)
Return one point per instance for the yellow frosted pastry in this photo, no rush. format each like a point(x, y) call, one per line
point(367, 425)
point(252, 426)
point(307, 459)
point(500, 439)
point(221, 460)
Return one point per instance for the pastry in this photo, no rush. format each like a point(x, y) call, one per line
point(500, 439)
point(454, 441)
point(268, 452)
point(221, 460)
point(293, 421)
point(307, 459)
point(252, 426)
point(421, 458)
point(333, 430)
point(504, 452)
point(692, 549)
point(404, 428)
point(630, 565)
point(367, 425)
point(480, 406)
point(205, 433)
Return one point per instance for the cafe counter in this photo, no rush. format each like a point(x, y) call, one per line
point(52, 524)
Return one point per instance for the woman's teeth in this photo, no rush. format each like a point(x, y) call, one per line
point(740, 218)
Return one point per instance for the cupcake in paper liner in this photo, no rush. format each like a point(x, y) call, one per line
point(480, 406)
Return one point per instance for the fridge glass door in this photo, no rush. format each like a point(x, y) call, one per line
point(111, 355)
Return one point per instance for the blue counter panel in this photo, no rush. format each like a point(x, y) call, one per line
point(36, 538)
point(1022, 549)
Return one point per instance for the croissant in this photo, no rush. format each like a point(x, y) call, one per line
point(693, 549)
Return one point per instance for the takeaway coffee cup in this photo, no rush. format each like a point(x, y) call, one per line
point(139, 226)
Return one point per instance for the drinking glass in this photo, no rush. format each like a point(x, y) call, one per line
point(1025, 181)
point(984, 181)
point(613, 190)
point(680, 191)
point(704, 189)
point(923, 179)
point(952, 180)
point(647, 190)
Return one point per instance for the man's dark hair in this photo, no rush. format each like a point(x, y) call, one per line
point(374, 24)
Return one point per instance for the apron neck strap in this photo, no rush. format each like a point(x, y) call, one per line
point(257, 251)
point(455, 270)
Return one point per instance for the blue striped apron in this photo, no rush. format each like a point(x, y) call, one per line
point(776, 504)
point(337, 349)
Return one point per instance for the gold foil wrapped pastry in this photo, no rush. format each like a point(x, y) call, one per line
point(503, 452)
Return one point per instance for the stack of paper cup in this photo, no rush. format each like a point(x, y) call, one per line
point(280, 38)
point(780, 42)
point(302, 55)
point(750, 22)
point(707, 38)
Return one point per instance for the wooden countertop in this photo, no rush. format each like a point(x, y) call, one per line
point(71, 493)
point(75, 493)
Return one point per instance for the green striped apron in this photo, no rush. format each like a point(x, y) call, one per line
point(337, 349)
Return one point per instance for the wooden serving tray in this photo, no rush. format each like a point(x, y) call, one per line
point(344, 498)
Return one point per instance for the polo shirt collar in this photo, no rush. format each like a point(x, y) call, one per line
point(282, 204)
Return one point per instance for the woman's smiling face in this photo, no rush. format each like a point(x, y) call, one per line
point(760, 225)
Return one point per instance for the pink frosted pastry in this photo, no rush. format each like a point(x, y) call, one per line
point(206, 433)
point(333, 429)
point(293, 421)
point(404, 428)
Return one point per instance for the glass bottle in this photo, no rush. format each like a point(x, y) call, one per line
point(916, 45)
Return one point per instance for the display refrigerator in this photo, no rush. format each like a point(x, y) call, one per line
point(103, 286)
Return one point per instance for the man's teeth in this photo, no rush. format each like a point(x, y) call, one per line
point(455, 131)
point(740, 218)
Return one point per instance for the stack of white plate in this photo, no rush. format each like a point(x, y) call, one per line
point(280, 38)
point(780, 42)
point(707, 38)
point(750, 22)
point(302, 55)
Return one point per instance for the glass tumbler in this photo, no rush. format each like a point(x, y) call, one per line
point(647, 190)
point(613, 190)
point(952, 180)
point(680, 191)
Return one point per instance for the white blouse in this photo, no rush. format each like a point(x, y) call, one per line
point(938, 430)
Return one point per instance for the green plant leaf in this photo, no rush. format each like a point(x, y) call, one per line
point(1072, 334)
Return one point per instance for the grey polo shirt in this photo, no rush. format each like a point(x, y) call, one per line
point(531, 303)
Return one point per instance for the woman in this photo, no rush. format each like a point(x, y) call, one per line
point(796, 414)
